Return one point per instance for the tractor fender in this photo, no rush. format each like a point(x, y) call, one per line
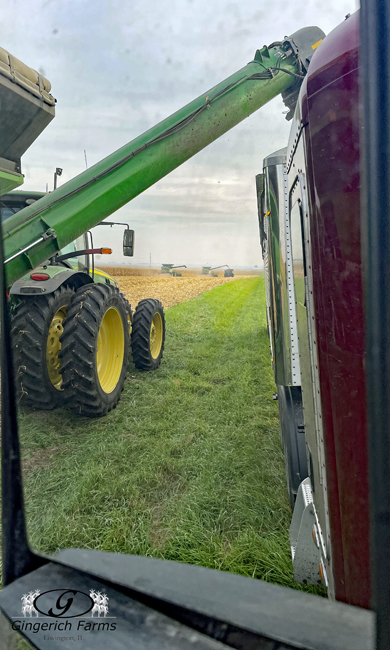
point(69, 278)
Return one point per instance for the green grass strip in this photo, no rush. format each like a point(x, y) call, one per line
point(189, 466)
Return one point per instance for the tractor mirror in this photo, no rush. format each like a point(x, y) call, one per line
point(128, 243)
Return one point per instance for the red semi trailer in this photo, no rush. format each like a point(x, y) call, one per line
point(309, 211)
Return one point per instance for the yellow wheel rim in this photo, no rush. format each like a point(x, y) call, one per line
point(156, 335)
point(53, 347)
point(110, 350)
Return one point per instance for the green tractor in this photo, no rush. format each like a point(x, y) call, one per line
point(72, 329)
point(71, 325)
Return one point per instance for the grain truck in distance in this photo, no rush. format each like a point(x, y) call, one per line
point(309, 215)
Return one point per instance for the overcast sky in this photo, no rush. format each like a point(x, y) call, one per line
point(118, 67)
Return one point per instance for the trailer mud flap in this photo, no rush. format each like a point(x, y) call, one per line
point(306, 554)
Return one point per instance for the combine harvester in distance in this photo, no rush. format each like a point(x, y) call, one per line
point(170, 268)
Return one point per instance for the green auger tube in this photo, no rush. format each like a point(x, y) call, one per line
point(40, 230)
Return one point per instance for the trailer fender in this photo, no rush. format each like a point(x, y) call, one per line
point(68, 278)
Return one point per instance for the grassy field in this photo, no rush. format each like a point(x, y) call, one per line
point(189, 466)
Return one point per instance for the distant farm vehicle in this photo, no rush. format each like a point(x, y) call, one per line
point(228, 273)
point(170, 268)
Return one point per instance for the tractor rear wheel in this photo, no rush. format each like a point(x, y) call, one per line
point(95, 349)
point(148, 334)
point(37, 325)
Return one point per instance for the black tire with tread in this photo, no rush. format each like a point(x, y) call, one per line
point(84, 393)
point(29, 330)
point(140, 336)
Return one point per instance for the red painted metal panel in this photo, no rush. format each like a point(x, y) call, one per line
point(330, 105)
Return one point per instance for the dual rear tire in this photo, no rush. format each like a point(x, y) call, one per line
point(37, 326)
point(73, 347)
point(148, 334)
point(94, 349)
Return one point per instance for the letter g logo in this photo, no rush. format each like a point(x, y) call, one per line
point(63, 603)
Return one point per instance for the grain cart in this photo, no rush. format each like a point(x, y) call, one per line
point(193, 605)
point(228, 273)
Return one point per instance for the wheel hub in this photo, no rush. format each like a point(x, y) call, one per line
point(110, 350)
point(53, 347)
point(156, 335)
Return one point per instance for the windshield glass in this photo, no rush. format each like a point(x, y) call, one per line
point(70, 248)
point(5, 213)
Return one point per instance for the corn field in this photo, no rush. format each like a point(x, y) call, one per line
point(138, 283)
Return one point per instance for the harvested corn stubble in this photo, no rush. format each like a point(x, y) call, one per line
point(169, 290)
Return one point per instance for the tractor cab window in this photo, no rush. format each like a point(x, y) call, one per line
point(6, 212)
point(70, 248)
point(12, 203)
point(79, 262)
point(82, 260)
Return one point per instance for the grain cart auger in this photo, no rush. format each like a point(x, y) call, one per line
point(228, 273)
point(90, 354)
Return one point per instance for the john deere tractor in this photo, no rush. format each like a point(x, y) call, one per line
point(71, 326)
point(72, 329)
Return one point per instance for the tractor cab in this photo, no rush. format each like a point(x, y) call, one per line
point(75, 258)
